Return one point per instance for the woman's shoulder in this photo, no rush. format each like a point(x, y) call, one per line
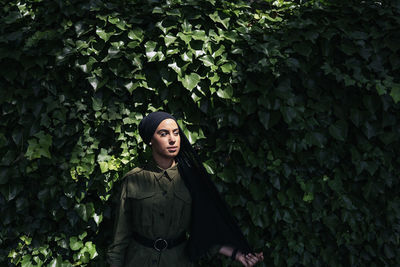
point(133, 172)
point(138, 173)
point(137, 179)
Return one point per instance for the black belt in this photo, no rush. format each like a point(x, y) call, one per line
point(159, 244)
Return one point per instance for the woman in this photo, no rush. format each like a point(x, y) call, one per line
point(169, 197)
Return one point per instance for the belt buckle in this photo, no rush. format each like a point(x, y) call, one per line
point(160, 244)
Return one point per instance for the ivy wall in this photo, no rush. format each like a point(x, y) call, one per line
point(293, 108)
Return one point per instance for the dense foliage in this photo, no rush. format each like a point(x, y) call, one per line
point(294, 109)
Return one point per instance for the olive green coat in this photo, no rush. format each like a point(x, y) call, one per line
point(154, 203)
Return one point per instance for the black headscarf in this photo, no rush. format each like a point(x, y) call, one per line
point(211, 223)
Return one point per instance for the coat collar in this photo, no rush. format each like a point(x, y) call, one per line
point(159, 172)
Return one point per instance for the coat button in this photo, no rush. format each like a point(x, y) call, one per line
point(164, 193)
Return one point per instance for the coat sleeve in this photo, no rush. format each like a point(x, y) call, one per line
point(122, 230)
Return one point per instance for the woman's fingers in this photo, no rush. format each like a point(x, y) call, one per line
point(243, 261)
point(251, 259)
point(260, 256)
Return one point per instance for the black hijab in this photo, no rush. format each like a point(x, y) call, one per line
point(211, 223)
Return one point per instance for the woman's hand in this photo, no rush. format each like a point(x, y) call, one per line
point(249, 259)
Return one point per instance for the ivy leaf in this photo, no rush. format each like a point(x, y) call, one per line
point(264, 118)
point(184, 37)
point(395, 93)
point(85, 211)
point(207, 60)
point(190, 81)
point(225, 93)
point(75, 243)
point(151, 54)
point(199, 35)
point(175, 67)
point(339, 130)
point(136, 34)
point(303, 48)
point(27, 261)
point(97, 103)
point(316, 139)
point(227, 67)
point(39, 147)
point(169, 39)
point(10, 191)
point(216, 18)
point(257, 191)
point(103, 34)
point(208, 168)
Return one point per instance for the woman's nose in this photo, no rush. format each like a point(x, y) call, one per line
point(172, 138)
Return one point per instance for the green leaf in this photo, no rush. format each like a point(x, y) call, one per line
point(288, 113)
point(370, 130)
point(97, 103)
point(26, 261)
point(216, 18)
point(303, 49)
point(207, 60)
point(199, 35)
point(136, 34)
point(103, 34)
point(275, 182)
point(169, 39)
point(117, 22)
point(85, 211)
point(257, 191)
point(208, 168)
point(308, 197)
point(184, 37)
point(190, 81)
point(187, 56)
point(10, 191)
point(395, 93)
point(215, 78)
point(151, 54)
point(175, 67)
point(39, 147)
point(356, 117)
point(83, 235)
point(264, 118)
point(225, 93)
point(131, 86)
point(103, 166)
point(75, 244)
point(339, 130)
point(228, 67)
point(316, 139)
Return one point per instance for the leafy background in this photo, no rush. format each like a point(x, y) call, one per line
point(293, 106)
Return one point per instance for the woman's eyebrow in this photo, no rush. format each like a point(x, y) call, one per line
point(166, 131)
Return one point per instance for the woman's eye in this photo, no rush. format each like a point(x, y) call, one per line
point(163, 134)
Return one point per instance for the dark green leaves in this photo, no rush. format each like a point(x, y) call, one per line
point(85, 211)
point(294, 111)
point(190, 81)
point(39, 146)
point(339, 130)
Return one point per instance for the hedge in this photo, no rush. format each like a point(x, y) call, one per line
point(292, 106)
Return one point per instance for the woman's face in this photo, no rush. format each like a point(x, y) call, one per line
point(166, 140)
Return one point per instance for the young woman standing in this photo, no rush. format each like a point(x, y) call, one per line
point(170, 213)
